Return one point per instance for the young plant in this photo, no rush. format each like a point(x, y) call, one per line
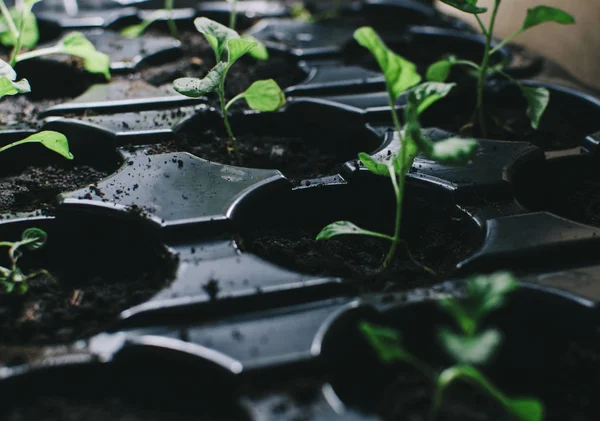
point(401, 75)
point(137, 30)
point(18, 27)
point(12, 278)
point(228, 46)
point(470, 347)
point(537, 98)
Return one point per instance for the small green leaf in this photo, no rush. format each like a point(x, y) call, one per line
point(464, 320)
point(195, 88)
point(134, 31)
point(400, 74)
point(543, 14)
point(8, 85)
point(537, 102)
point(386, 342)
point(373, 165)
point(237, 48)
point(468, 6)
point(472, 349)
point(76, 44)
point(259, 52)
point(439, 71)
point(31, 33)
point(488, 293)
point(264, 95)
point(340, 228)
point(527, 409)
point(217, 35)
point(35, 237)
point(454, 151)
point(55, 141)
point(426, 94)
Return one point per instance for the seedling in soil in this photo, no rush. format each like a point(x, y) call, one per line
point(470, 347)
point(12, 278)
point(262, 95)
point(137, 30)
point(401, 75)
point(537, 98)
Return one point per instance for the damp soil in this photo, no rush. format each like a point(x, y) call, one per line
point(437, 236)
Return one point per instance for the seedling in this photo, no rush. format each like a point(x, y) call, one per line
point(470, 347)
point(137, 30)
point(12, 278)
point(300, 12)
point(401, 75)
point(262, 95)
point(537, 98)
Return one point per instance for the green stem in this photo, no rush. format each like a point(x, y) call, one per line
point(233, 15)
point(169, 4)
point(224, 107)
point(39, 53)
point(233, 100)
point(9, 19)
point(12, 145)
point(6, 244)
point(17, 48)
point(484, 68)
point(481, 26)
point(506, 41)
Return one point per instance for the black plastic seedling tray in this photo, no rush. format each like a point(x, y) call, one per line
point(191, 287)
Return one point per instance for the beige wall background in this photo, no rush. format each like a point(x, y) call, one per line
point(576, 47)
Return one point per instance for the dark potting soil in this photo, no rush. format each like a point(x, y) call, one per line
point(36, 188)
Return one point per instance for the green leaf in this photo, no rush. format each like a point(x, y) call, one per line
point(537, 102)
point(426, 94)
point(194, 87)
point(377, 167)
point(488, 293)
point(217, 35)
point(237, 48)
point(35, 237)
point(8, 83)
point(439, 71)
point(527, 409)
point(468, 6)
point(464, 320)
point(55, 141)
point(476, 349)
point(31, 33)
point(454, 151)
point(386, 342)
point(76, 44)
point(134, 31)
point(542, 14)
point(264, 95)
point(400, 74)
point(259, 52)
point(341, 228)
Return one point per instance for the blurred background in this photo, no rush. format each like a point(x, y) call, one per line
point(577, 47)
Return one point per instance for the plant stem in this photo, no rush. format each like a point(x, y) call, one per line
point(506, 41)
point(9, 19)
point(17, 48)
point(224, 108)
point(233, 15)
point(172, 26)
point(39, 53)
point(484, 68)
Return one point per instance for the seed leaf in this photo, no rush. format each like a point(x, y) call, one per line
point(537, 102)
point(488, 293)
point(468, 6)
point(439, 71)
point(341, 228)
point(385, 341)
point(76, 44)
point(543, 14)
point(237, 48)
point(217, 35)
point(527, 409)
point(8, 83)
point(477, 349)
point(454, 151)
point(195, 88)
point(375, 166)
point(264, 95)
point(35, 237)
point(259, 52)
point(400, 74)
point(426, 94)
point(55, 141)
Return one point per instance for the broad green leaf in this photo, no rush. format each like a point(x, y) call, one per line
point(194, 87)
point(400, 74)
point(537, 102)
point(439, 71)
point(542, 14)
point(527, 409)
point(259, 52)
point(76, 44)
point(373, 165)
point(55, 141)
point(486, 293)
point(468, 6)
point(341, 228)
point(8, 83)
point(31, 33)
point(476, 349)
point(454, 151)
point(385, 341)
point(37, 237)
point(264, 95)
point(428, 93)
point(237, 48)
point(216, 34)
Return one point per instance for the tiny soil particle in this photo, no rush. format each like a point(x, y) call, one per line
point(211, 288)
